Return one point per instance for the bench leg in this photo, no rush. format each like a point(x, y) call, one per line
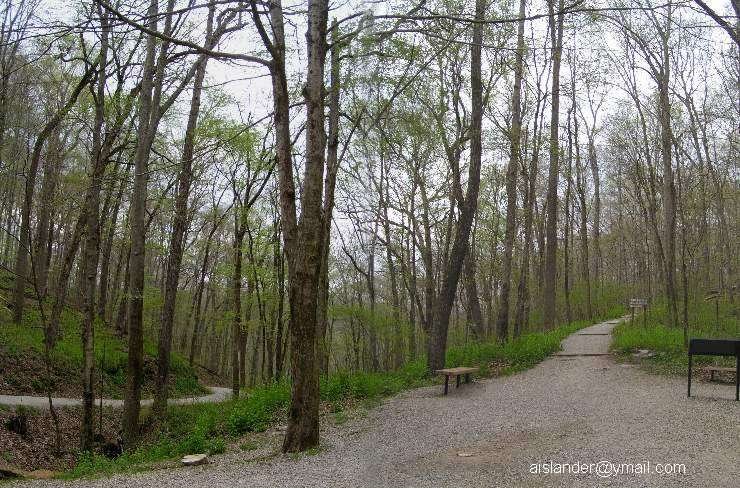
point(737, 378)
point(467, 377)
point(457, 381)
point(688, 393)
point(447, 382)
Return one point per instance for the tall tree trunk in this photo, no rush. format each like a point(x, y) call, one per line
point(568, 231)
point(236, 287)
point(549, 311)
point(582, 201)
point(521, 315)
point(370, 281)
point(279, 322)
point(596, 239)
point(99, 159)
point(332, 166)
point(438, 334)
point(199, 297)
point(135, 300)
point(179, 227)
point(684, 272)
point(65, 268)
point(303, 239)
point(471, 292)
point(398, 352)
point(106, 253)
point(502, 322)
point(121, 325)
point(52, 167)
point(413, 294)
point(669, 190)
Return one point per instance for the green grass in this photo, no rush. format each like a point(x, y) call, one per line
point(209, 427)
point(519, 354)
point(668, 342)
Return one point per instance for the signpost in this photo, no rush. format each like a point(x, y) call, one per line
point(639, 303)
point(714, 296)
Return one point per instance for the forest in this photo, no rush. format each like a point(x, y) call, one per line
point(271, 195)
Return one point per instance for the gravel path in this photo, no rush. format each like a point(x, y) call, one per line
point(568, 409)
point(217, 394)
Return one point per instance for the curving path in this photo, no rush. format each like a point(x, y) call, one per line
point(578, 406)
point(218, 394)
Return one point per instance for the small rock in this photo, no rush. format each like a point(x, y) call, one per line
point(643, 353)
point(194, 459)
point(465, 454)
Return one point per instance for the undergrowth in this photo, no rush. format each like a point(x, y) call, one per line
point(667, 343)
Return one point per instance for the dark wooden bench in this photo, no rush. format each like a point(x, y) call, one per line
point(717, 369)
point(457, 373)
point(716, 347)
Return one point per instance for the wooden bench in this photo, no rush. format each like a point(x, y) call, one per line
point(717, 369)
point(716, 347)
point(456, 372)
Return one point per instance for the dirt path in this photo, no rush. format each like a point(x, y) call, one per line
point(217, 394)
point(577, 407)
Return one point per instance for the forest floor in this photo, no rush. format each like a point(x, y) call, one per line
point(610, 418)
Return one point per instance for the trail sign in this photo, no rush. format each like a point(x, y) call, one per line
point(639, 303)
point(714, 296)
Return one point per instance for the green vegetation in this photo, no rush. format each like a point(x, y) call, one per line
point(209, 427)
point(668, 343)
point(25, 342)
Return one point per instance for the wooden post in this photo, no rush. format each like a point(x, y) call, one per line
point(716, 312)
point(642, 304)
point(644, 316)
point(688, 393)
point(714, 295)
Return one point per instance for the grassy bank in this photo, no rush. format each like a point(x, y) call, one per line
point(22, 369)
point(668, 342)
point(211, 428)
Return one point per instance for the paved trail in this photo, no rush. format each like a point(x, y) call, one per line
point(217, 394)
point(576, 407)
